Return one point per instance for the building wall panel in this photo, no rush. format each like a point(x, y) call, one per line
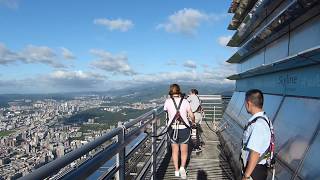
point(277, 50)
point(306, 36)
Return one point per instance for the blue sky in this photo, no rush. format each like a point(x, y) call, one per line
point(59, 46)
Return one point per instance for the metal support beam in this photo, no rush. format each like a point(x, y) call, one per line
point(154, 147)
point(121, 162)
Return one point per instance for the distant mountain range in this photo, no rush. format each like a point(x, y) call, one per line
point(137, 93)
point(148, 92)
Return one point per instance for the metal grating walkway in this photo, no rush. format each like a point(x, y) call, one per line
point(208, 164)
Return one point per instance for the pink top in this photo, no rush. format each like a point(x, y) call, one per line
point(185, 107)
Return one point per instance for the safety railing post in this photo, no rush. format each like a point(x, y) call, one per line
point(154, 146)
point(214, 114)
point(121, 161)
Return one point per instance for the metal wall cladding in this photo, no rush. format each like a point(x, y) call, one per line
point(229, 109)
point(271, 106)
point(310, 168)
point(231, 142)
point(295, 126)
point(296, 121)
point(282, 172)
point(302, 38)
point(297, 82)
point(306, 36)
point(253, 61)
point(237, 108)
point(277, 50)
point(239, 68)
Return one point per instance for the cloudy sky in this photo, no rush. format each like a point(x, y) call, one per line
point(60, 46)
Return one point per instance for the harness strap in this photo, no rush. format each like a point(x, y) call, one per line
point(268, 122)
point(167, 119)
point(255, 120)
point(178, 111)
point(175, 104)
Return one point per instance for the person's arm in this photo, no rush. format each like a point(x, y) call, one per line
point(165, 108)
point(257, 144)
point(252, 162)
point(191, 115)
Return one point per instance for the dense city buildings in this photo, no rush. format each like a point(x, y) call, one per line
point(33, 132)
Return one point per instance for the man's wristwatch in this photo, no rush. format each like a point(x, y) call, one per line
point(246, 177)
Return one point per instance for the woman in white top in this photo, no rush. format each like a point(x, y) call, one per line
point(179, 127)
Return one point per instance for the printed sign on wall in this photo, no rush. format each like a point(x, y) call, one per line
point(298, 82)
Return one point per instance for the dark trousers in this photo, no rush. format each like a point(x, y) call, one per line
point(260, 172)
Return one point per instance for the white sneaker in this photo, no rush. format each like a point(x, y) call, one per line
point(176, 173)
point(183, 173)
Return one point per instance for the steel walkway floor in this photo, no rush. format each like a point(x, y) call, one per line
point(208, 164)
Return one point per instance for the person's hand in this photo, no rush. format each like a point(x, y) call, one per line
point(245, 178)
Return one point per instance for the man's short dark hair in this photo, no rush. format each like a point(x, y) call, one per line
point(255, 96)
point(194, 91)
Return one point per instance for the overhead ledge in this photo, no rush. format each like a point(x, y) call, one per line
point(305, 58)
point(291, 12)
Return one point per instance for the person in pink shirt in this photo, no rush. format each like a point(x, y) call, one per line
point(179, 127)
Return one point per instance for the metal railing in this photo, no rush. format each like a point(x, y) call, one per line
point(214, 106)
point(148, 150)
point(122, 136)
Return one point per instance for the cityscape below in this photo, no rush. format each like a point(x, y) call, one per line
point(38, 130)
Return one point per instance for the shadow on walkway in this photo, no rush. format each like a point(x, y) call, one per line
point(202, 175)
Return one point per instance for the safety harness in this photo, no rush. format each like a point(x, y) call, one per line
point(177, 120)
point(269, 153)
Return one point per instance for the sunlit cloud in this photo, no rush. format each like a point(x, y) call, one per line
point(122, 25)
point(223, 40)
point(113, 63)
point(67, 54)
point(187, 20)
point(213, 75)
point(190, 64)
point(30, 55)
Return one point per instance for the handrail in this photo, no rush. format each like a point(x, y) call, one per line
point(121, 137)
point(56, 165)
point(94, 163)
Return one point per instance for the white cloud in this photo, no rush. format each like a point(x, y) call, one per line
point(219, 72)
point(223, 40)
point(40, 54)
point(117, 64)
point(62, 74)
point(29, 55)
point(214, 75)
point(56, 81)
point(75, 79)
point(171, 63)
point(13, 4)
point(6, 55)
point(184, 21)
point(71, 81)
point(178, 76)
point(67, 54)
point(116, 24)
point(187, 20)
point(190, 64)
